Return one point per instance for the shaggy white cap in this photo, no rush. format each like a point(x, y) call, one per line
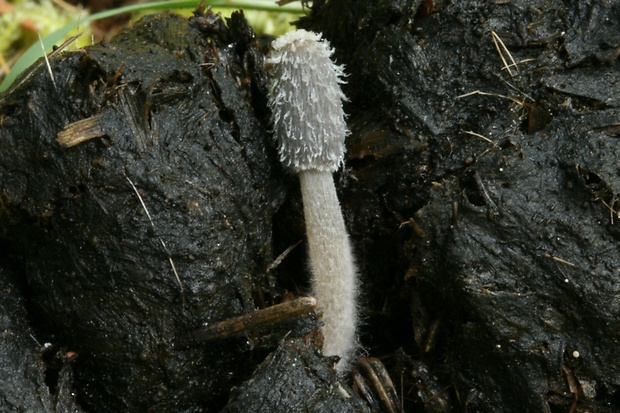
point(306, 102)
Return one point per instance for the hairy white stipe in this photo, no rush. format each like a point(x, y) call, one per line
point(334, 276)
point(310, 129)
point(306, 102)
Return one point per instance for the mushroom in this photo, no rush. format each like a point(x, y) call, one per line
point(309, 127)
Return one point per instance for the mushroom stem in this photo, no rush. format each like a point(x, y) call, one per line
point(334, 282)
point(310, 129)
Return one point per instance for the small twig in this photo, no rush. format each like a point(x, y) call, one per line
point(47, 62)
point(485, 193)
point(36, 341)
point(381, 382)
point(80, 131)
point(560, 260)
point(477, 135)
point(198, 188)
point(163, 244)
point(275, 314)
point(611, 209)
point(497, 95)
point(499, 45)
point(281, 257)
point(573, 386)
point(516, 65)
point(58, 49)
point(34, 67)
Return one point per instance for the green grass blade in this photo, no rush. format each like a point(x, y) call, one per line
point(36, 51)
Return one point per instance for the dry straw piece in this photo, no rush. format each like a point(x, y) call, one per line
point(310, 129)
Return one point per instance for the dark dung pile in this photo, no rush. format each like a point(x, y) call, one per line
point(126, 243)
point(481, 191)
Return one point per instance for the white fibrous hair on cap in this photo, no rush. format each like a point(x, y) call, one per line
point(305, 99)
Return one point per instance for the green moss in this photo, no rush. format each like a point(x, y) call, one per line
point(19, 26)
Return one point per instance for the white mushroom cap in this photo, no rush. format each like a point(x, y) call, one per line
point(306, 102)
